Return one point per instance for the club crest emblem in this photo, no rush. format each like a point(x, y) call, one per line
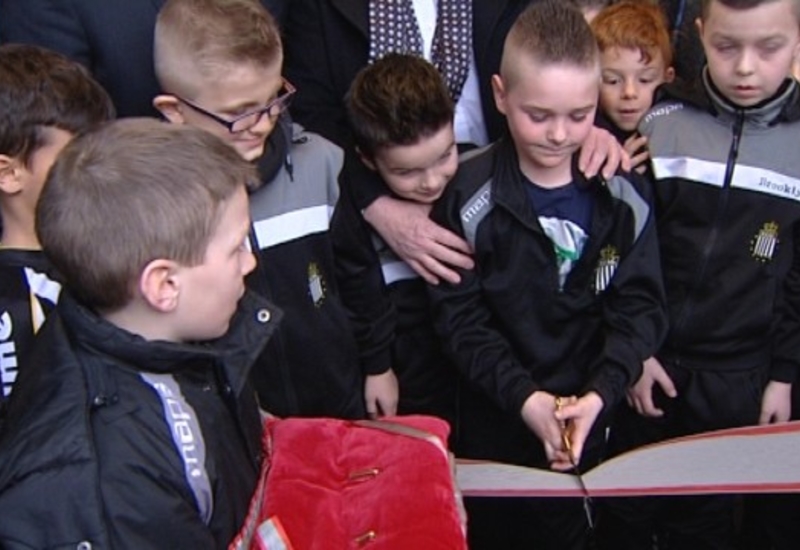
point(316, 284)
point(606, 267)
point(765, 242)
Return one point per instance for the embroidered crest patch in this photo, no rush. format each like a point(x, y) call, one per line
point(765, 242)
point(316, 284)
point(606, 267)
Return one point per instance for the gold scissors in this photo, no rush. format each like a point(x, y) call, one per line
point(566, 432)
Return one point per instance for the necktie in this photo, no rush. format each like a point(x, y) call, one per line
point(393, 28)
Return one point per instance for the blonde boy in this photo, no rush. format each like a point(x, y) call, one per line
point(219, 65)
point(135, 417)
point(565, 299)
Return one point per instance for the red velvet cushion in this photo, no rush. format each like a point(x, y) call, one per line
point(339, 484)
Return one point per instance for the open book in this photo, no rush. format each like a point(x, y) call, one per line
point(759, 459)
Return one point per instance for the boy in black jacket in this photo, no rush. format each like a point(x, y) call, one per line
point(234, 89)
point(727, 181)
point(135, 425)
point(401, 115)
point(566, 298)
point(46, 99)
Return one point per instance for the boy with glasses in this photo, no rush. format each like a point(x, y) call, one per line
point(219, 64)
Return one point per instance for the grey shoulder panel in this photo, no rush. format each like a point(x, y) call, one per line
point(477, 207)
point(623, 190)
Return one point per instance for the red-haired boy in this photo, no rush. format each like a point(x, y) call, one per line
point(636, 57)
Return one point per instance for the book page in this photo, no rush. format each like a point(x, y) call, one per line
point(740, 460)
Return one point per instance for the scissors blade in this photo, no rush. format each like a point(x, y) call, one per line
point(587, 500)
point(567, 444)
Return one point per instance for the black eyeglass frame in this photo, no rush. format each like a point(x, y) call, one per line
point(281, 102)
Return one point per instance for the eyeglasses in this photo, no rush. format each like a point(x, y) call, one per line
point(247, 120)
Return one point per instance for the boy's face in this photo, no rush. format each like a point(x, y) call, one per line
point(210, 291)
point(234, 91)
point(419, 172)
point(750, 51)
point(628, 84)
point(550, 110)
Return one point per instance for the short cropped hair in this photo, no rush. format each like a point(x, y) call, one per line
point(134, 191)
point(590, 4)
point(550, 32)
point(705, 5)
point(40, 88)
point(204, 37)
point(398, 100)
point(634, 25)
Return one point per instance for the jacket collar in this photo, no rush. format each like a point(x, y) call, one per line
point(783, 106)
point(277, 153)
point(249, 332)
point(508, 189)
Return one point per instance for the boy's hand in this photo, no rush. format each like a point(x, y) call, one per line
point(640, 396)
point(579, 415)
point(381, 394)
point(776, 404)
point(538, 412)
point(636, 147)
point(428, 248)
point(601, 149)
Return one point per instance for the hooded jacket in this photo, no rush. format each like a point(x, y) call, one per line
point(727, 187)
point(112, 441)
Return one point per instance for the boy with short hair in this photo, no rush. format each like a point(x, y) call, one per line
point(219, 64)
point(46, 99)
point(134, 425)
point(726, 175)
point(401, 116)
point(566, 299)
point(636, 58)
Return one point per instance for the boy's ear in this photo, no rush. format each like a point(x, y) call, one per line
point(366, 160)
point(499, 92)
point(160, 286)
point(698, 23)
point(10, 181)
point(169, 107)
point(669, 74)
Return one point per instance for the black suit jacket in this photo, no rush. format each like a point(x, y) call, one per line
point(113, 38)
point(327, 42)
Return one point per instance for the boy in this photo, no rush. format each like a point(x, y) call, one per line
point(728, 217)
point(402, 120)
point(134, 425)
point(636, 58)
point(565, 301)
point(234, 89)
point(45, 99)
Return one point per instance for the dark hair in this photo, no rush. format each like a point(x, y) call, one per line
point(397, 100)
point(551, 32)
point(41, 88)
point(742, 5)
point(131, 192)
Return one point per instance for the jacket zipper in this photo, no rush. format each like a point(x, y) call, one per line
point(711, 241)
point(262, 288)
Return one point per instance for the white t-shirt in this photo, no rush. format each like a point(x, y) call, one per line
point(468, 123)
